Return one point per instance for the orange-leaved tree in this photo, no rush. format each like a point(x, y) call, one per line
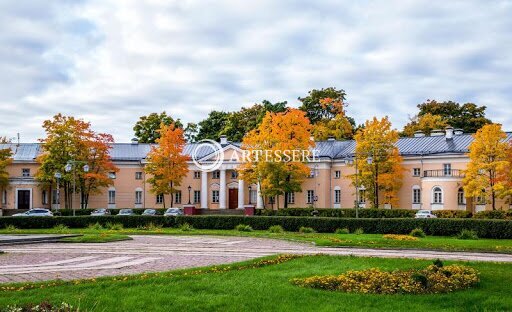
point(487, 161)
point(269, 165)
point(72, 141)
point(5, 160)
point(166, 163)
point(424, 123)
point(504, 178)
point(379, 162)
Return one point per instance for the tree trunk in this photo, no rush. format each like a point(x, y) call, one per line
point(376, 197)
point(163, 200)
point(285, 200)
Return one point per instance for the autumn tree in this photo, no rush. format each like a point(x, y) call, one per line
point(278, 132)
point(338, 126)
point(315, 109)
point(5, 160)
point(424, 123)
point(468, 117)
point(379, 162)
point(71, 140)
point(146, 128)
point(166, 163)
point(488, 160)
point(504, 178)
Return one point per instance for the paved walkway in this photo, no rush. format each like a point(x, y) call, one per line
point(48, 261)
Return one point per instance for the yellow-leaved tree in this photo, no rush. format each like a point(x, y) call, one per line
point(338, 127)
point(487, 161)
point(424, 123)
point(5, 160)
point(278, 132)
point(379, 162)
point(166, 163)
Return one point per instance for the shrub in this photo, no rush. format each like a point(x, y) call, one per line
point(467, 234)
point(338, 213)
point(342, 231)
point(276, 229)
point(60, 228)
point(359, 231)
point(431, 280)
point(417, 232)
point(494, 214)
point(400, 237)
point(186, 227)
point(11, 228)
point(44, 306)
point(453, 214)
point(243, 228)
point(438, 263)
point(114, 226)
point(306, 229)
point(96, 226)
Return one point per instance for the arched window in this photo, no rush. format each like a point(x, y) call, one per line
point(437, 195)
point(481, 199)
point(461, 198)
point(416, 194)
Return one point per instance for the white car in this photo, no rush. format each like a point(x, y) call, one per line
point(100, 212)
point(126, 212)
point(423, 214)
point(36, 212)
point(173, 212)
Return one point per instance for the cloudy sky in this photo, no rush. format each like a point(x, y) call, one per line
point(110, 61)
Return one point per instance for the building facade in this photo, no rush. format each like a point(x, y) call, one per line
point(434, 169)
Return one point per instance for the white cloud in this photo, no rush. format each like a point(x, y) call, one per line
point(112, 61)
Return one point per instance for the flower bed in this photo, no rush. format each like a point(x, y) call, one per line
point(400, 237)
point(431, 280)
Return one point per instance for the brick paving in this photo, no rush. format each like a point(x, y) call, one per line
point(49, 261)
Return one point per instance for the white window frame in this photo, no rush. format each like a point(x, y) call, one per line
point(253, 195)
point(197, 196)
point(416, 194)
point(337, 174)
point(112, 197)
point(159, 199)
point(177, 197)
point(4, 197)
point(55, 197)
point(310, 196)
point(461, 200)
point(25, 172)
point(337, 196)
point(197, 174)
point(216, 174)
point(138, 197)
point(447, 170)
point(416, 172)
point(215, 196)
point(138, 175)
point(291, 198)
point(437, 195)
point(44, 197)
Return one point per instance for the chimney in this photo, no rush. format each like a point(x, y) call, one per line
point(135, 141)
point(449, 133)
point(419, 134)
point(458, 131)
point(437, 132)
point(331, 138)
point(223, 140)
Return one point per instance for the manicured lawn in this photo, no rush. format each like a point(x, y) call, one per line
point(269, 289)
point(320, 239)
point(96, 238)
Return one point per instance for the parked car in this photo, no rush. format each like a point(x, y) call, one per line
point(126, 212)
point(422, 214)
point(100, 212)
point(173, 212)
point(149, 212)
point(36, 212)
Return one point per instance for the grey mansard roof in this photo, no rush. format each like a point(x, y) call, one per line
point(428, 145)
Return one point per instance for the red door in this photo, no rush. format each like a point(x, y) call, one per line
point(233, 199)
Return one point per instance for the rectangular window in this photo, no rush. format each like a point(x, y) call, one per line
point(55, 197)
point(215, 196)
point(216, 174)
point(291, 198)
point(177, 197)
point(44, 198)
point(197, 197)
point(337, 196)
point(25, 172)
point(234, 174)
point(138, 175)
point(416, 172)
point(197, 174)
point(362, 196)
point(337, 174)
point(271, 200)
point(111, 197)
point(461, 199)
point(138, 197)
point(253, 196)
point(4, 197)
point(160, 199)
point(112, 175)
point(312, 173)
point(310, 196)
point(447, 169)
point(416, 196)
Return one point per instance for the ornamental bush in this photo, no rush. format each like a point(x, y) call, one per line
point(243, 228)
point(342, 231)
point(417, 232)
point(400, 237)
point(276, 229)
point(431, 280)
point(306, 229)
point(467, 234)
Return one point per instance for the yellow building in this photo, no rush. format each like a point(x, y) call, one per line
point(433, 178)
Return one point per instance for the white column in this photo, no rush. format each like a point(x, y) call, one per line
point(204, 189)
point(222, 192)
point(259, 198)
point(241, 188)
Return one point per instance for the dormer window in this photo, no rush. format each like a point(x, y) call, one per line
point(25, 172)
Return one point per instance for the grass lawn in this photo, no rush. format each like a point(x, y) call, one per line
point(96, 238)
point(268, 288)
point(320, 239)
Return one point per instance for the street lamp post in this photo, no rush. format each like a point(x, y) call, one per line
point(71, 166)
point(250, 188)
point(189, 188)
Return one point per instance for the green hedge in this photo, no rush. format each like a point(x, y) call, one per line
point(87, 212)
point(441, 227)
point(494, 214)
point(363, 213)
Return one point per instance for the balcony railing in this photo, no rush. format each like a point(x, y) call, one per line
point(443, 173)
